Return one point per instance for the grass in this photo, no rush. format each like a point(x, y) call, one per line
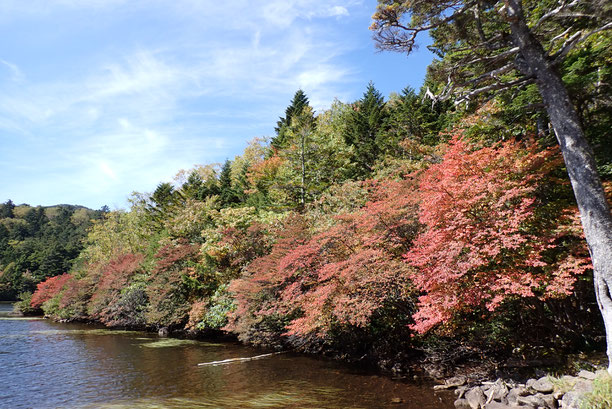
point(601, 396)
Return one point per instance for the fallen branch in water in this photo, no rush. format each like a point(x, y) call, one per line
point(232, 360)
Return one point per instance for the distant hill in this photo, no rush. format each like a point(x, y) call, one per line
point(37, 242)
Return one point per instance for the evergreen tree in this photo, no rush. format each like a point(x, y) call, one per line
point(227, 194)
point(364, 123)
point(410, 115)
point(6, 210)
point(36, 219)
point(299, 101)
point(242, 183)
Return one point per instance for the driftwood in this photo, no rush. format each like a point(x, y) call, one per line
point(234, 360)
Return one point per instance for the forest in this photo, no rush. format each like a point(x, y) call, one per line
point(39, 242)
point(381, 230)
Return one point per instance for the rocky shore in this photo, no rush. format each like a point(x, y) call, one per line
point(566, 392)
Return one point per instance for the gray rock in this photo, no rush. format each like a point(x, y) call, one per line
point(498, 405)
point(476, 397)
point(460, 391)
point(543, 385)
point(532, 400)
point(571, 400)
point(515, 393)
point(498, 392)
point(549, 399)
point(583, 386)
point(455, 381)
point(462, 404)
point(587, 375)
point(571, 380)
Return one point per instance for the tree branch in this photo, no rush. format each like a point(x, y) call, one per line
point(574, 40)
point(493, 87)
point(554, 12)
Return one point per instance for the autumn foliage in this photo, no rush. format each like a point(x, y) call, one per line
point(48, 289)
point(106, 304)
point(174, 285)
point(340, 276)
point(490, 234)
point(462, 237)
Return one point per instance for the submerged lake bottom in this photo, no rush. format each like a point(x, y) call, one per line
point(46, 364)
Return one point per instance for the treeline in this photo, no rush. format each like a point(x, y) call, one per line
point(39, 242)
point(373, 228)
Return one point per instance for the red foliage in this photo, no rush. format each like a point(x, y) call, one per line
point(76, 296)
point(340, 276)
point(48, 289)
point(255, 291)
point(170, 290)
point(487, 238)
point(115, 277)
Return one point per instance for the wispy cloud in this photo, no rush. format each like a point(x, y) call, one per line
point(180, 82)
point(15, 73)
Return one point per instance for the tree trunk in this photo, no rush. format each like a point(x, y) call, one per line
point(579, 159)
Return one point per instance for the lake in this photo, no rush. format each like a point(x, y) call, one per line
point(55, 365)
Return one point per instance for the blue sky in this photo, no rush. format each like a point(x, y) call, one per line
point(99, 98)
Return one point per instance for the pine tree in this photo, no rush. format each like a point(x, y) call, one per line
point(362, 130)
point(6, 209)
point(227, 194)
point(299, 101)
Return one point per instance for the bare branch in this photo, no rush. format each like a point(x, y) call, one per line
point(568, 45)
point(554, 12)
point(392, 35)
point(559, 36)
point(493, 58)
point(574, 40)
point(493, 74)
point(493, 87)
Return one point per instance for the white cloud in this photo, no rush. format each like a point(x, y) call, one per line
point(146, 109)
point(107, 170)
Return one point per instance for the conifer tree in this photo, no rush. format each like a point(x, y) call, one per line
point(6, 209)
point(362, 130)
point(299, 101)
point(227, 194)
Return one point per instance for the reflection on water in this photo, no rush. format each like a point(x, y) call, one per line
point(52, 365)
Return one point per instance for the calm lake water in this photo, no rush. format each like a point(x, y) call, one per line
point(51, 365)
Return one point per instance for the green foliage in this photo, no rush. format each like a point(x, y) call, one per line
point(23, 305)
point(221, 304)
point(228, 195)
point(601, 396)
point(39, 242)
